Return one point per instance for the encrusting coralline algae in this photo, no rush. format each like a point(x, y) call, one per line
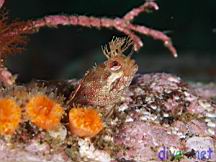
point(154, 125)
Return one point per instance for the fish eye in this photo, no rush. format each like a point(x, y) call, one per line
point(115, 65)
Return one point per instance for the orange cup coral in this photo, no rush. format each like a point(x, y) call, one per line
point(10, 116)
point(85, 122)
point(44, 112)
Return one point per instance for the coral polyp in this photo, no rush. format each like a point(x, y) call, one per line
point(44, 112)
point(10, 116)
point(85, 122)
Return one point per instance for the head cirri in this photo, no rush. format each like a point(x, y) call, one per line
point(104, 84)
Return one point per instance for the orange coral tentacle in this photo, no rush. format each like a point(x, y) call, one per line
point(10, 116)
point(44, 112)
point(85, 122)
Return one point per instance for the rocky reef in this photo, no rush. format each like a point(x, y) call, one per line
point(160, 118)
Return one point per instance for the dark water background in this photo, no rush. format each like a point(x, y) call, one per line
point(67, 52)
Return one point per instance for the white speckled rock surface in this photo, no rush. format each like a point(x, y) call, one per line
point(158, 111)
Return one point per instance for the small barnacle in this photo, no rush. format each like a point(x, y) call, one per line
point(18, 93)
point(10, 116)
point(44, 112)
point(85, 122)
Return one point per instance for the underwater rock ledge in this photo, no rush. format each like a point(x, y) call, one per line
point(160, 118)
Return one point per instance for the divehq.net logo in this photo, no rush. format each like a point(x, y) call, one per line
point(166, 153)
